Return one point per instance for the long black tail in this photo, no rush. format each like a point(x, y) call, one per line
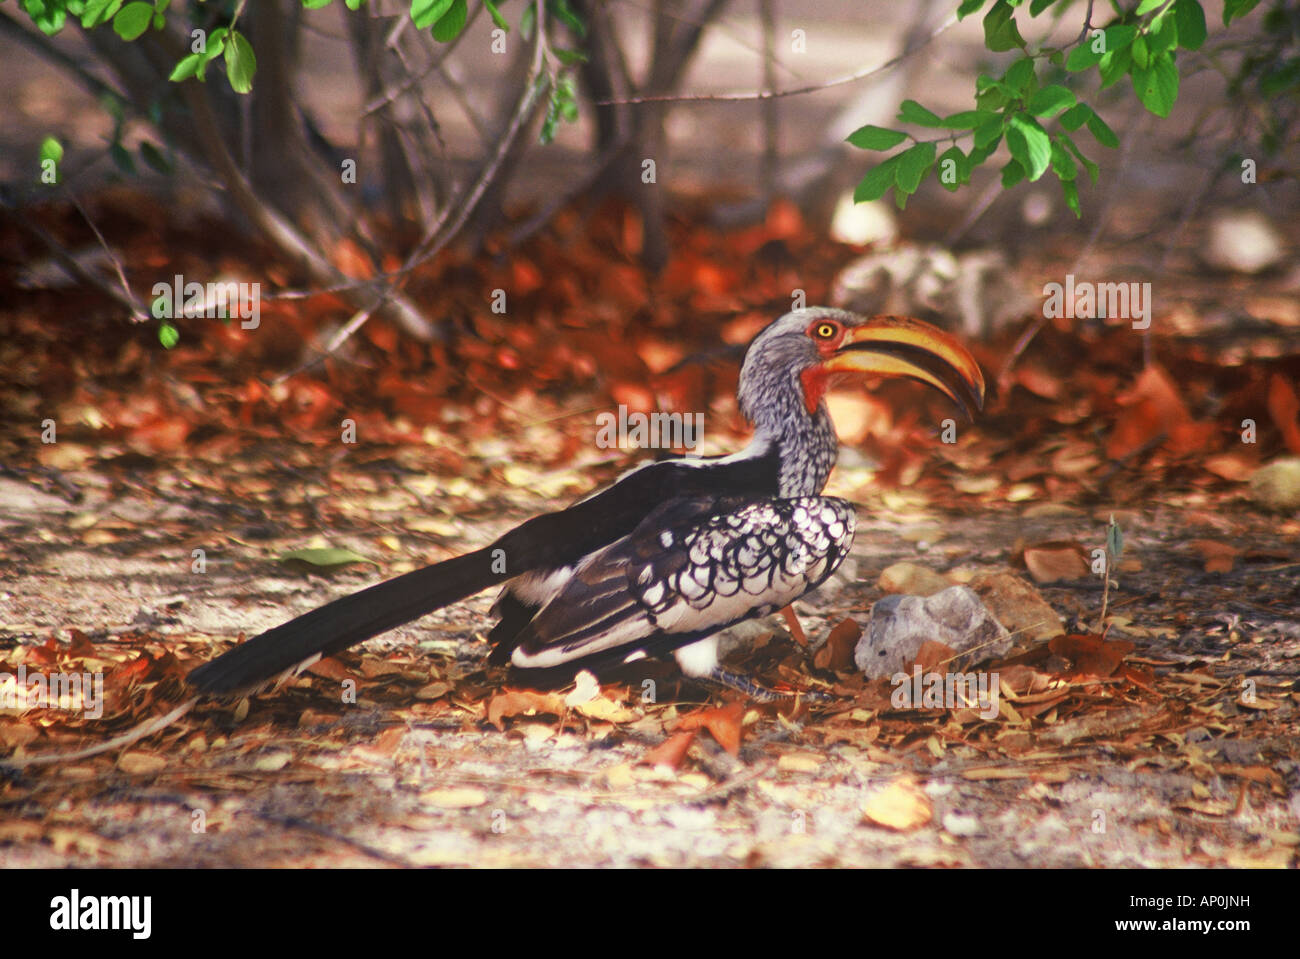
point(345, 622)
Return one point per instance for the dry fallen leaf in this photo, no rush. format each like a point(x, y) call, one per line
point(837, 652)
point(671, 751)
point(1090, 654)
point(464, 797)
point(901, 806)
point(1049, 562)
point(526, 702)
point(722, 722)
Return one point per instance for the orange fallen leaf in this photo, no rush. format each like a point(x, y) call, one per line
point(526, 702)
point(1284, 407)
point(901, 806)
point(1048, 562)
point(1219, 557)
point(1090, 654)
point(670, 752)
point(837, 653)
point(722, 722)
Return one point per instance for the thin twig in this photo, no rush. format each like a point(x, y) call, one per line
point(794, 92)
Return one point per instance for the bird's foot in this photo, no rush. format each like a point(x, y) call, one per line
point(761, 693)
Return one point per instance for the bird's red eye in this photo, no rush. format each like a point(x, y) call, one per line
point(826, 331)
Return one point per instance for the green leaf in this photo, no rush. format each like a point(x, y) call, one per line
point(1029, 145)
point(1000, 31)
point(968, 7)
point(1103, 133)
point(878, 179)
point(1236, 9)
point(1146, 6)
point(324, 556)
point(132, 20)
point(188, 67)
point(96, 12)
point(1018, 76)
point(315, 4)
point(953, 169)
point(1141, 53)
point(1083, 56)
point(1163, 34)
point(1190, 17)
point(168, 335)
point(1157, 87)
point(1038, 6)
point(913, 164)
point(51, 149)
point(1114, 540)
point(1071, 191)
point(451, 23)
point(122, 159)
point(913, 112)
point(1078, 155)
point(1063, 164)
point(569, 57)
point(1115, 65)
point(1119, 36)
point(1076, 116)
point(496, 16)
point(1051, 100)
point(990, 132)
point(426, 13)
point(241, 64)
point(1012, 174)
point(154, 157)
point(875, 138)
point(966, 120)
point(354, 5)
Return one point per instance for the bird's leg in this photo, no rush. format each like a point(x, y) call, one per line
point(759, 692)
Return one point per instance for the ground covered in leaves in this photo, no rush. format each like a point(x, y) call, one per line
point(192, 496)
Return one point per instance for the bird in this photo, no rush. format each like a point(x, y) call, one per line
point(672, 552)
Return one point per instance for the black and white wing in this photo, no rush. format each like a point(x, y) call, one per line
point(693, 567)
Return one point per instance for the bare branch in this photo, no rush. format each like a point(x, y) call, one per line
point(794, 92)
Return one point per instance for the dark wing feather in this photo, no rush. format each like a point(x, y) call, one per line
point(695, 566)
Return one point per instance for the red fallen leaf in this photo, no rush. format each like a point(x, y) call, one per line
point(1153, 406)
point(514, 702)
point(1138, 677)
point(159, 435)
point(81, 645)
point(722, 722)
point(331, 668)
point(933, 655)
point(1048, 562)
point(1284, 407)
point(837, 654)
point(670, 752)
point(1090, 654)
point(795, 627)
point(135, 671)
point(1219, 557)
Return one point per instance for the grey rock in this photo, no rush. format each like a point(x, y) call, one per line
point(899, 625)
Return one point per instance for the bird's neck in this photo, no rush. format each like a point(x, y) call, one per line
point(806, 446)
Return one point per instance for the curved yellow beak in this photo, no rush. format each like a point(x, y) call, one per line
point(903, 347)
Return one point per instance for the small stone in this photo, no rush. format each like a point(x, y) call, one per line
point(961, 824)
point(900, 625)
point(1277, 485)
point(1243, 242)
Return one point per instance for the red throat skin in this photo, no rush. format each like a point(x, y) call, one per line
point(814, 379)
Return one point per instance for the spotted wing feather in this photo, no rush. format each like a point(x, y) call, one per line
point(693, 567)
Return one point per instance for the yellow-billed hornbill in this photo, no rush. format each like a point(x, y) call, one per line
point(675, 550)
